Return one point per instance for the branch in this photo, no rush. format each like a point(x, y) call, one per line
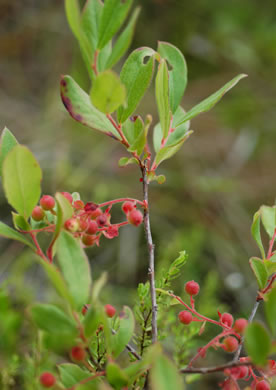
point(130, 348)
point(208, 370)
point(151, 257)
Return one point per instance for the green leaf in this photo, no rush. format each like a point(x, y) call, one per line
point(259, 270)
point(177, 72)
point(256, 232)
point(92, 319)
point(270, 265)
point(21, 180)
point(176, 135)
point(20, 222)
point(162, 97)
point(132, 128)
point(71, 374)
point(52, 319)
point(168, 151)
point(136, 76)
point(257, 343)
point(8, 141)
point(90, 20)
point(107, 93)
point(113, 16)
point(268, 217)
point(8, 232)
point(124, 40)
point(270, 310)
point(78, 104)
point(125, 332)
point(75, 268)
point(164, 375)
point(116, 376)
point(97, 286)
point(124, 161)
point(209, 102)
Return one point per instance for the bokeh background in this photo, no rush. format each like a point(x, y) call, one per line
point(214, 184)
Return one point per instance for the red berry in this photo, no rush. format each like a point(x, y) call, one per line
point(227, 319)
point(83, 225)
point(110, 310)
point(68, 196)
point(101, 220)
point(192, 288)
point(47, 379)
point(38, 213)
point(72, 225)
point(230, 344)
point(78, 205)
point(128, 206)
point(263, 385)
point(95, 213)
point(78, 354)
point(135, 217)
point(240, 325)
point(185, 317)
point(92, 227)
point(47, 202)
point(243, 372)
point(88, 239)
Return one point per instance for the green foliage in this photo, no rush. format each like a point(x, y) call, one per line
point(7, 232)
point(256, 232)
point(260, 271)
point(257, 342)
point(8, 141)
point(162, 97)
point(270, 310)
point(165, 376)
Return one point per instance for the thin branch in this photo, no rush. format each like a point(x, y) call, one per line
point(208, 370)
point(130, 348)
point(151, 257)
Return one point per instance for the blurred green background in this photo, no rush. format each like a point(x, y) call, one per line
point(214, 184)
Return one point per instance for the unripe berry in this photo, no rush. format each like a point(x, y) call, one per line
point(88, 239)
point(185, 317)
point(101, 220)
point(68, 196)
point(92, 227)
point(47, 202)
point(240, 325)
point(47, 379)
point(38, 213)
point(72, 225)
point(110, 310)
point(127, 207)
point(78, 205)
point(95, 213)
point(230, 344)
point(263, 385)
point(227, 319)
point(77, 353)
point(135, 217)
point(83, 224)
point(192, 288)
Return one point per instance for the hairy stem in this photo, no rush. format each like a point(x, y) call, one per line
point(151, 257)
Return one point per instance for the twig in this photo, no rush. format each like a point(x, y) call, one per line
point(208, 370)
point(151, 258)
point(130, 348)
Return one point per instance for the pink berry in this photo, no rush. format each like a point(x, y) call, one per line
point(83, 224)
point(89, 239)
point(95, 213)
point(227, 319)
point(185, 317)
point(72, 225)
point(135, 217)
point(47, 379)
point(230, 344)
point(38, 213)
point(47, 202)
point(240, 325)
point(127, 207)
point(92, 227)
point(78, 354)
point(110, 310)
point(243, 372)
point(263, 385)
point(192, 288)
point(68, 196)
point(101, 220)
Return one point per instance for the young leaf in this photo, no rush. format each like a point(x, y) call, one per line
point(270, 265)
point(8, 232)
point(8, 141)
point(124, 40)
point(256, 232)
point(268, 217)
point(52, 319)
point(259, 270)
point(75, 268)
point(79, 106)
point(257, 343)
point(71, 374)
point(20, 222)
point(162, 97)
point(270, 310)
point(177, 73)
point(164, 375)
point(177, 134)
point(107, 93)
point(21, 180)
point(116, 376)
point(209, 102)
point(124, 161)
point(125, 332)
point(113, 16)
point(136, 76)
point(132, 128)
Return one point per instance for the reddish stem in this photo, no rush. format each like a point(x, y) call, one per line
point(94, 65)
point(39, 250)
point(86, 380)
point(119, 129)
point(269, 254)
point(269, 285)
point(120, 200)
